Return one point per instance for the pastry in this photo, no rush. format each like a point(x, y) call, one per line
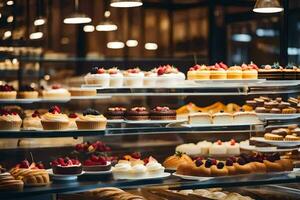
point(150, 78)
point(56, 92)
point(116, 78)
point(222, 118)
point(198, 73)
point(273, 166)
point(97, 163)
point(92, 147)
point(245, 118)
point(271, 72)
point(189, 149)
point(133, 78)
point(97, 76)
point(154, 168)
point(54, 119)
point(235, 72)
point(9, 183)
point(168, 75)
point(137, 113)
point(76, 92)
point(275, 111)
point(251, 103)
point(33, 122)
point(293, 101)
point(91, 119)
point(27, 92)
point(218, 148)
point(184, 169)
point(289, 110)
point(219, 170)
point(290, 72)
point(121, 170)
point(292, 138)
point(115, 113)
point(218, 72)
point(271, 136)
point(250, 71)
point(172, 162)
point(7, 92)
point(280, 131)
point(199, 169)
point(138, 171)
point(283, 104)
point(230, 167)
point(242, 167)
point(9, 120)
point(66, 166)
point(162, 113)
point(286, 164)
point(199, 118)
point(72, 121)
point(261, 110)
point(271, 104)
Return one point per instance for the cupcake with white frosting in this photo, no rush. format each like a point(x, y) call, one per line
point(154, 168)
point(116, 77)
point(138, 171)
point(33, 122)
point(133, 78)
point(98, 76)
point(121, 170)
point(150, 78)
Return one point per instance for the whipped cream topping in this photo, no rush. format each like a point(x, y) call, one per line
point(59, 117)
point(91, 118)
point(123, 167)
point(152, 166)
point(10, 117)
point(139, 168)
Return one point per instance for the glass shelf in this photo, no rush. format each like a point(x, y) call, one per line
point(86, 183)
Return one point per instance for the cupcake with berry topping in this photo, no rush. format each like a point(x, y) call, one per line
point(27, 92)
point(115, 113)
point(72, 118)
point(55, 120)
point(133, 78)
point(137, 113)
point(98, 76)
point(169, 76)
point(91, 119)
point(33, 122)
point(7, 92)
point(9, 120)
point(271, 72)
point(250, 71)
point(218, 71)
point(116, 77)
point(96, 164)
point(56, 92)
point(198, 73)
point(150, 78)
point(66, 166)
point(162, 113)
point(235, 72)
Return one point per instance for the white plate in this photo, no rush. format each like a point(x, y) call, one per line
point(63, 176)
point(193, 178)
point(277, 143)
point(90, 97)
point(231, 81)
point(263, 116)
point(152, 121)
point(19, 100)
point(164, 175)
point(213, 125)
point(266, 149)
point(98, 173)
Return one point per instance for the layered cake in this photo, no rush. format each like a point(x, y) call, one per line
point(218, 148)
point(91, 119)
point(218, 71)
point(244, 117)
point(7, 92)
point(222, 118)
point(56, 92)
point(97, 163)
point(115, 113)
point(133, 78)
point(199, 118)
point(137, 113)
point(162, 113)
point(75, 92)
point(33, 122)
point(235, 72)
point(97, 76)
point(271, 72)
point(232, 147)
point(9, 120)
point(198, 73)
point(290, 72)
point(27, 92)
point(116, 77)
point(54, 119)
point(66, 166)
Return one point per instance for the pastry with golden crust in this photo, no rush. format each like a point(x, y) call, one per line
point(172, 162)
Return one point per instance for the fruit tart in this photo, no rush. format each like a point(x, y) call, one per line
point(66, 166)
point(96, 163)
point(9, 120)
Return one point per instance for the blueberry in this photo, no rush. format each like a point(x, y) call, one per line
point(220, 165)
point(94, 70)
point(241, 161)
point(229, 162)
point(90, 111)
point(198, 162)
point(208, 163)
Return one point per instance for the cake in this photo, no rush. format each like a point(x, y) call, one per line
point(150, 78)
point(91, 119)
point(54, 119)
point(121, 170)
point(77, 92)
point(27, 92)
point(199, 118)
point(115, 113)
point(7, 92)
point(56, 92)
point(116, 77)
point(198, 73)
point(137, 113)
point(245, 118)
point(222, 118)
point(235, 72)
point(204, 147)
point(154, 168)
point(72, 121)
point(218, 148)
point(218, 71)
point(232, 147)
point(66, 166)
point(9, 120)
point(97, 76)
point(290, 72)
point(162, 113)
point(97, 163)
point(133, 78)
point(250, 71)
point(168, 76)
point(138, 171)
point(172, 162)
point(189, 149)
point(271, 136)
point(33, 122)
point(271, 72)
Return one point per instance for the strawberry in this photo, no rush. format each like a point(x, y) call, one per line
point(40, 165)
point(73, 115)
point(94, 158)
point(213, 161)
point(222, 65)
point(232, 142)
point(54, 163)
point(88, 162)
point(101, 71)
point(136, 155)
point(219, 142)
point(56, 86)
point(24, 164)
point(160, 71)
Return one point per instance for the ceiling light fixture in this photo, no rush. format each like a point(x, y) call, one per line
point(115, 45)
point(267, 6)
point(36, 35)
point(7, 34)
point(39, 21)
point(77, 18)
point(10, 3)
point(126, 3)
point(88, 28)
point(151, 46)
point(132, 43)
point(10, 19)
point(106, 25)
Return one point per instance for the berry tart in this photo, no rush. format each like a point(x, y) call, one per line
point(97, 76)
point(115, 113)
point(55, 120)
point(56, 92)
point(33, 122)
point(91, 119)
point(198, 73)
point(7, 92)
point(133, 78)
point(116, 77)
point(66, 166)
point(27, 92)
point(162, 113)
point(137, 113)
point(9, 120)
point(96, 164)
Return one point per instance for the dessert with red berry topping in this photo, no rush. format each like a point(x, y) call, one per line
point(137, 113)
point(27, 92)
point(250, 71)
point(66, 166)
point(116, 77)
point(198, 73)
point(55, 120)
point(218, 148)
point(7, 92)
point(133, 77)
point(76, 92)
point(233, 147)
point(9, 120)
point(169, 75)
point(72, 118)
point(33, 122)
point(56, 92)
point(115, 113)
point(235, 72)
point(97, 163)
point(97, 76)
point(162, 113)
point(91, 119)
point(218, 71)
point(97, 146)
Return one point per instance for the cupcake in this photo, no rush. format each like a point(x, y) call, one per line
point(91, 119)
point(133, 78)
point(198, 73)
point(116, 77)
point(154, 168)
point(72, 118)
point(235, 72)
point(33, 122)
point(169, 76)
point(115, 113)
point(250, 71)
point(7, 92)
point(138, 171)
point(56, 92)
point(121, 170)
point(27, 92)
point(55, 120)
point(162, 113)
point(150, 78)
point(218, 71)
point(9, 120)
point(97, 76)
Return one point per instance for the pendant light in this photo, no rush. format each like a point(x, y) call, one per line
point(36, 35)
point(77, 18)
point(40, 20)
point(106, 25)
point(267, 6)
point(126, 3)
